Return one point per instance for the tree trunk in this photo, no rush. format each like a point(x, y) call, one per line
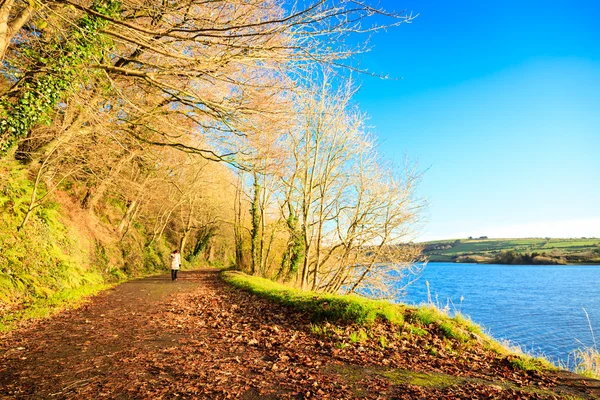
point(238, 226)
point(95, 194)
point(305, 266)
point(255, 233)
point(128, 213)
point(5, 7)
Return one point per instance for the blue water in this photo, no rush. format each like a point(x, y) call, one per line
point(540, 308)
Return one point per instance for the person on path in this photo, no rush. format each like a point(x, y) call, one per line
point(175, 264)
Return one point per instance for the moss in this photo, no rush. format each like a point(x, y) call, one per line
point(355, 374)
point(432, 380)
point(351, 373)
point(444, 381)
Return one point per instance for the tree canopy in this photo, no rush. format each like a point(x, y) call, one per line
point(224, 126)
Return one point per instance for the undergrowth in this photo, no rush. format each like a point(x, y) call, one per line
point(53, 262)
point(43, 258)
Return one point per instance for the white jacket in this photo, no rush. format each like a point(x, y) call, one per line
point(175, 260)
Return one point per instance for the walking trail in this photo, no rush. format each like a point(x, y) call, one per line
point(199, 338)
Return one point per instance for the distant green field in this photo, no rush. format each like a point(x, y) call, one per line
point(584, 250)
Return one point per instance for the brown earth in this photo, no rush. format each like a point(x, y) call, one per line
point(199, 338)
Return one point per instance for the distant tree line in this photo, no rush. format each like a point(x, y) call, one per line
point(512, 257)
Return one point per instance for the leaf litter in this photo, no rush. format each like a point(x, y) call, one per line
point(200, 338)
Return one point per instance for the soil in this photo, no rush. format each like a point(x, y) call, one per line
point(200, 338)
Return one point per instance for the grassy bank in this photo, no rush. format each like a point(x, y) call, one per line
point(329, 312)
point(46, 307)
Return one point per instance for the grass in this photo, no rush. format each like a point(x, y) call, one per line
point(587, 362)
point(450, 331)
point(345, 309)
point(415, 330)
point(44, 308)
point(429, 314)
point(359, 336)
point(527, 363)
point(419, 321)
point(527, 244)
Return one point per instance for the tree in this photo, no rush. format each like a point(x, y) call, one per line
point(345, 212)
point(144, 96)
point(215, 64)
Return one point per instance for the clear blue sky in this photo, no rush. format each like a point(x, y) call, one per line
point(500, 102)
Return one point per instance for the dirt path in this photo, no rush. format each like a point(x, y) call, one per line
point(199, 338)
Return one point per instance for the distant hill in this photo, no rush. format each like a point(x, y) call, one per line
point(515, 251)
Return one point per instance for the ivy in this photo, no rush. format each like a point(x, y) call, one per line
point(59, 72)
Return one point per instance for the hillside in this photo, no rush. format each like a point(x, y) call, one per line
point(515, 251)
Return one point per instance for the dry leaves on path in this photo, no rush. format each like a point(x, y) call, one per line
point(199, 338)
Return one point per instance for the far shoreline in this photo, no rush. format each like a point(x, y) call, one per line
point(516, 265)
point(523, 251)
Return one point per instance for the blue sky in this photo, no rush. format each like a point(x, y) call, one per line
point(500, 103)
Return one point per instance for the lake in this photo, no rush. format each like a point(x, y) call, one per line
point(538, 307)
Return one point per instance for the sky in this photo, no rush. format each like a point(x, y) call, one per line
point(499, 104)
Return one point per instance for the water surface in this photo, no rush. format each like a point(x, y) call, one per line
point(539, 307)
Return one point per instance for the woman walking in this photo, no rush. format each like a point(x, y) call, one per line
point(175, 264)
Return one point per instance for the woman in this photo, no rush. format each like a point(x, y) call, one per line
point(175, 264)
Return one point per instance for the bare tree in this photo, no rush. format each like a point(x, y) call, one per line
point(347, 216)
point(216, 64)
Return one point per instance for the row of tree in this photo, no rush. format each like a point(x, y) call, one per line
point(225, 126)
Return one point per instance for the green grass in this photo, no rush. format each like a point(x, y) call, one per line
point(450, 331)
point(415, 330)
point(359, 336)
point(427, 315)
point(345, 309)
point(467, 324)
point(527, 363)
point(354, 309)
point(44, 308)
